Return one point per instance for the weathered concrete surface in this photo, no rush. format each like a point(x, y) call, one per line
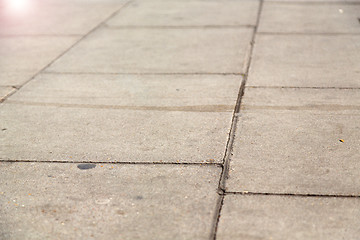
point(23, 56)
point(158, 51)
point(54, 17)
point(306, 61)
point(288, 141)
point(187, 13)
point(285, 217)
point(4, 91)
point(60, 201)
point(309, 18)
point(165, 92)
point(99, 133)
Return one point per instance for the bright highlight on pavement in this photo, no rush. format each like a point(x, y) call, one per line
point(17, 6)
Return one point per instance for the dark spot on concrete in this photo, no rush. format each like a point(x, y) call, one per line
point(50, 176)
point(177, 89)
point(84, 166)
point(139, 197)
point(120, 212)
point(4, 129)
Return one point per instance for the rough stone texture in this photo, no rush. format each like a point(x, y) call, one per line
point(283, 217)
point(187, 13)
point(197, 92)
point(4, 91)
point(309, 18)
point(37, 131)
point(292, 145)
point(158, 51)
point(306, 61)
point(61, 201)
point(23, 56)
point(54, 17)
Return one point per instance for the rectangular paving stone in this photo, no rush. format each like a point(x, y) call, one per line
point(158, 51)
point(187, 13)
point(61, 201)
point(38, 131)
point(309, 18)
point(307, 142)
point(284, 217)
point(198, 92)
point(22, 57)
point(53, 17)
point(306, 61)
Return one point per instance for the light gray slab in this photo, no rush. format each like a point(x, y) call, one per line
point(54, 17)
point(293, 145)
point(309, 18)
point(177, 91)
point(41, 131)
point(283, 217)
point(306, 61)
point(22, 57)
point(4, 91)
point(158, 51)
point(187, 13)
point(60, 201)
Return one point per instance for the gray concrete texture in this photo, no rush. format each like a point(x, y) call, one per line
point(158, 51)
point(117, 119)
point(54, 17)
point(309, 18)
point(192, 13)
point(286, 217)
point(288, 141)
point(306, 61)
point(61, 201)
point(23, 56)
point(126, 117)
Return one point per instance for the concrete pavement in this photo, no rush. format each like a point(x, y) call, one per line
point(167, 119)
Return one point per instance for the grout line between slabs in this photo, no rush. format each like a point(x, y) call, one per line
point(307, 33)
point(112, 162)
point(294, 194)
point(145, 73)
point(280, 87)
point(110, 27)
point(40, 35)
point(68, 49)
point(313, 2)
point(229, 145)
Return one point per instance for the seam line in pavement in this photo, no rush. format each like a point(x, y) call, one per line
point(110, 27)
point(294, 194)
point(276, 87)
point(113, 162)
point(313, 2)
point(39, 35)
point(229, 145)
point(146, 73)
point(67, 50)
point(307, 33)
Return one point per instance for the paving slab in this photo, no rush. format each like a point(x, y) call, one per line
point(4, 91)
point(309, 18)
point(52, 17)
point(305, 61)
point(36, 131)
point(158, 51)
point(303, 143)
point(135, 91)
point(284, 217)
point(187, 13)
point(62, 201)
point(23, 56)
